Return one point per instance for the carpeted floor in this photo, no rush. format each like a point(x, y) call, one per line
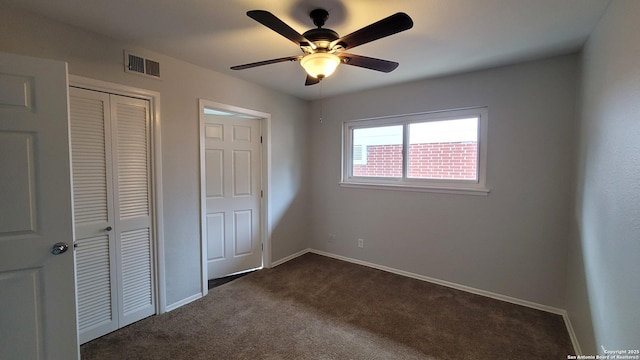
point(314, 307)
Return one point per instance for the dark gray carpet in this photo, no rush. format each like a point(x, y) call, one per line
point(314, 307)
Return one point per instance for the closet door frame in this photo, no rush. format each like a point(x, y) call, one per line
point(155, 137)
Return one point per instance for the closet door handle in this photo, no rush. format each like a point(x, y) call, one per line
point(108, 228)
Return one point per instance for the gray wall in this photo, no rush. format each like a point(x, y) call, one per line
point(511, 242)
point(182, 84)
point(603, 289)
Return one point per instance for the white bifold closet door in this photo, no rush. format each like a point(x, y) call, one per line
point(112, 209)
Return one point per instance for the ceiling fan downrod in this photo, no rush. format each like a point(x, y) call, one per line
point(319, 17)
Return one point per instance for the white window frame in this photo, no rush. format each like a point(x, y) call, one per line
point(472, 187)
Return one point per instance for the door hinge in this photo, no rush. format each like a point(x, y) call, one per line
point(261, 193)
point(260, 139)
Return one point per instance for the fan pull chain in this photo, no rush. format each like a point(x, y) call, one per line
point(321, 102)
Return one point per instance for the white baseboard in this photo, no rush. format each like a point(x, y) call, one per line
point(510, 299)
point(290, 257)
point(572, 334)
point(183, 302)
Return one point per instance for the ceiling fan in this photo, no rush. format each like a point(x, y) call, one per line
point(323, 48)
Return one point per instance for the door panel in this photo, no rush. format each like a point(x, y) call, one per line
point(22, 285)
point(136, 271)
point(132, 189)
point(95, 305)
point(242, 178)
point(93, 210)
point(215, 172)
point(232, 178)
point(243, 237)
point(20, 162)
point(37, 288)
point(215, 236)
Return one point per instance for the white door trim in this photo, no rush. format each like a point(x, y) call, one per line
point(156, 169)
point(265, 220)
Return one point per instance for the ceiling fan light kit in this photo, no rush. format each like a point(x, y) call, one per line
point(320, 65)
point(323, 48)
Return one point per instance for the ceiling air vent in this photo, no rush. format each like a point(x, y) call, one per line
point(139, 65)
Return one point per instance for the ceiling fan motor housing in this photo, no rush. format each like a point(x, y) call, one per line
point(321, 37)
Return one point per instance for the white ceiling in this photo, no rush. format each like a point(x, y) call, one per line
point(448, 36)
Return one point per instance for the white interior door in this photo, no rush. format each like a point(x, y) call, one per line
point(37, 288)
point(232, 176)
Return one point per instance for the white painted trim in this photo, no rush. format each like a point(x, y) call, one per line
point(156, 175)
point(265, 218)
point(572, 334)
point(183, 302)
point(443, 190)
point(204, 277)
point(159, 205)
point(290, 257)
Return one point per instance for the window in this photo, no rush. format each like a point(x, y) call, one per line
point(360, 154)
point(441, 151)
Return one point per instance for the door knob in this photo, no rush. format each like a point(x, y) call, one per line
point(59, 248)
point(108, 228)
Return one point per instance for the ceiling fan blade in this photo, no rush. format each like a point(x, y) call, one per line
point(368, 62)
point(272, 22)
point(311, 80)
point(266, 62)
point(388, 26)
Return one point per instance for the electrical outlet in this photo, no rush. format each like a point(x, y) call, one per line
point(360, 243)
point(331, 238)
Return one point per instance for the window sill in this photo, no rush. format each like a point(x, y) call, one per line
point(404, 187)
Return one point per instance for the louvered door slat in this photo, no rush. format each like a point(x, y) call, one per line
point(93, 283)
point(133, 160)
point(136, 270)
point(88, 147)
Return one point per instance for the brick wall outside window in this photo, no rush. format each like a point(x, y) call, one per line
point(449, 160)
